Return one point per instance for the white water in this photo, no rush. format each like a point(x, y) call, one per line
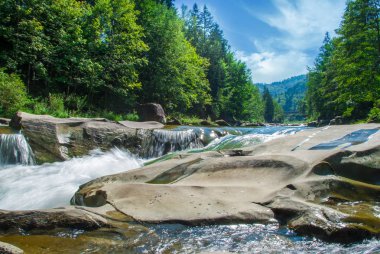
point(14, 149)
point(52, 185)
point(24, 187)
point(165, 141)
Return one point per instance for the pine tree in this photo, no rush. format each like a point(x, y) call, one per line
point(268, 106)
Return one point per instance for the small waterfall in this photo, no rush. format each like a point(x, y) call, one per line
point(14, 149)
point(165, 141)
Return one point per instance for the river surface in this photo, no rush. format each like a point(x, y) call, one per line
point(24, 186)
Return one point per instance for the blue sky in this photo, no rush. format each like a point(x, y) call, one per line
point(276, 38)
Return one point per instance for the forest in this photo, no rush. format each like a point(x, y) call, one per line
point(345, 79)
point(106, 57)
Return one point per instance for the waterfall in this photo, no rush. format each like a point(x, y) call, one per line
point(14, 149)
point(164, 141)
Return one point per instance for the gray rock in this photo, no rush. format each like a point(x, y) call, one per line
point(206, 123)
point(281, 179)
point(68, 217)
point(6, 248)
point(5, 121)
point(54, 139)
point(152, 112)
point(222, 123)
point(174, 121)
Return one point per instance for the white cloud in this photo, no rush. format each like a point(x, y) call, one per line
point(301, 25)
point(271, 66)
point(304, 22)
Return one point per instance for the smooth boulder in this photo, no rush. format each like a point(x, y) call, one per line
point(286, 179)
point(152, 112)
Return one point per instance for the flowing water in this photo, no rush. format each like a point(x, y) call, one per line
point(53, 184)
point(27, 186)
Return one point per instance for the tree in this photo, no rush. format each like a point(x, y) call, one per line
point(175, 75)
point(233, 95)
point(345, 79)
point(268, 106)
point(13, 95)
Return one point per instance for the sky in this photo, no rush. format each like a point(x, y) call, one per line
point(277, 39)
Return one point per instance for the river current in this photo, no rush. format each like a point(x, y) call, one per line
point(24, 186)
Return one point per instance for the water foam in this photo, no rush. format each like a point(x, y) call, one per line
point(52, 185)
point(14, 149)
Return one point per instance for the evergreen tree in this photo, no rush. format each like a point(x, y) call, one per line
point(268, 106)
point(345, 79)
point(175, 75)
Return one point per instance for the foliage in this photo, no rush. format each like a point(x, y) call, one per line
point(105, 57)
point(233, 95)
point(345, 79)
point(13, 95)
point(73, 47)
point(175, 75)
point(268, 106)
point(374, 114)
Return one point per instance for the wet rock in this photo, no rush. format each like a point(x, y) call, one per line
point(282, 179)
point(69, 217)
point(54, 139)
point(206, 123)
point(338, 120)
point(222, 122)
point(152, 112)
point(312, 124)
point(5, 121)
point(174, 121)
point(6, 248)
point(247, 124)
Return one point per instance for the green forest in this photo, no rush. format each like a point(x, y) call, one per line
point(345, 79)
point(107, 57)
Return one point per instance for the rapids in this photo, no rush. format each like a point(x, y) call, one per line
point(27, 186)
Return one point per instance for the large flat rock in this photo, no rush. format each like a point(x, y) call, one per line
point(54, 139)
point(287, 178)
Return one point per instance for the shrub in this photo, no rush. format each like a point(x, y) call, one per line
point(374, 114)
point(13, 96)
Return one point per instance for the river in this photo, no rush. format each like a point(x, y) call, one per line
point(24, 186)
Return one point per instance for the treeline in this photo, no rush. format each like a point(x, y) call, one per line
point(345, 79)
point(112, 55)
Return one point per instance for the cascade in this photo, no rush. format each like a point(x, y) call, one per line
point(14, 149)
point(164, 141)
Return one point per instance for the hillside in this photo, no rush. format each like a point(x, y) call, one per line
point(287, 93)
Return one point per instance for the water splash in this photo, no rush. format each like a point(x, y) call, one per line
point(14, 149)
point(197, 139)
point(52, 185)
point(165, 141)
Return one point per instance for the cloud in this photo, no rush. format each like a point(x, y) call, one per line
point(301, 25)
point(272, 66)
point(304, 22)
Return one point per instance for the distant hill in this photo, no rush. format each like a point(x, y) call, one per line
point(287, 93)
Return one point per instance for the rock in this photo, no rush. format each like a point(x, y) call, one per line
point(6, 248)
point(222, 122)
point(206, 123)
point(247, 124)
point(5, 121)
point(174, 121)
point(152, 112)
point(324, 193)
point(67, 217)
point(338, 120)
point(323, 122)
point(54, 139)
point(312, 124)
